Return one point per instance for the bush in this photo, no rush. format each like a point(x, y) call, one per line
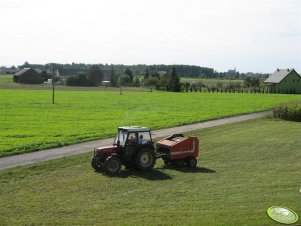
point(79, 80)
point(291, 112)
point(45, 76)
point(124, 80)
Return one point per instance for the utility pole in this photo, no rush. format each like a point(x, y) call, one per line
point(120, 91)
point(52, 85)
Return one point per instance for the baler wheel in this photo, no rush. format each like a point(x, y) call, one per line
point(112, 165)
point(191, 162)
point(145, 159)
point(179, 162)
point(96, 165)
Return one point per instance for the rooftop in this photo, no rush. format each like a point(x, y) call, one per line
point(278, 75)
point(22, 71)
point(134, 128)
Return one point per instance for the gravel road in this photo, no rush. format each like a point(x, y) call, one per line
point(54, 153)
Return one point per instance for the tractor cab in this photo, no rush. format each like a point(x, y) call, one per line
point(132, 147)
point(133, 136)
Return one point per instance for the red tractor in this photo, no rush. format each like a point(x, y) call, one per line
point(133, 147)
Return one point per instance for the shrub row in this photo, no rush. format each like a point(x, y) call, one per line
point(80, 80)
point(291, 112)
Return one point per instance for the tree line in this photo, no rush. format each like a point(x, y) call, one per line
point(140, 69)
point(94, 77)
point(154, 77)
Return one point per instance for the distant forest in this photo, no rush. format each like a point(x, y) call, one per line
point(140, 70)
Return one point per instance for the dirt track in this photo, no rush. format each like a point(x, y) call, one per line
point(44, 155)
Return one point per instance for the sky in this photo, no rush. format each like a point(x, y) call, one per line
point(251, 35)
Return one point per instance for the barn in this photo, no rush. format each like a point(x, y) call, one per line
point(27, 76)
point(284, 81)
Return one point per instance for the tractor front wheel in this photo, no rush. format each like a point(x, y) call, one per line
point(96, 165)
point(112, 165)
point(191, 162)
point(145, 159)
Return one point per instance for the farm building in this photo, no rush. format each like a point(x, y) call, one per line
point(28, 76)
point(284, 81)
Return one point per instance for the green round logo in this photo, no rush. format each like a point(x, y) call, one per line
point(282, 215)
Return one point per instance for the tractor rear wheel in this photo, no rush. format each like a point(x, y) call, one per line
point(145, 159)
point(112, 165)
point(191, 162)
point(96, 165)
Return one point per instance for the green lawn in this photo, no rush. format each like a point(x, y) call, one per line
point(244, 168)
point(29, 122)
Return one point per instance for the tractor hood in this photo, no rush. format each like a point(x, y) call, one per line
point(106, 150)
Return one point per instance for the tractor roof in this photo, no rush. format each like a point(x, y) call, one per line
point(134, 128)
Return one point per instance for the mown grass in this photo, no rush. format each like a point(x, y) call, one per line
point(29, 121)
point(243, 169)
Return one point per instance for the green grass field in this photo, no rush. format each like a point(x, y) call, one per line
point(29, 121)
point(6, 79)
point(244, 168)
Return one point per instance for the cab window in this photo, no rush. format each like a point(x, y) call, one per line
point(132, 139)
point(121, 137)
point(144, 138)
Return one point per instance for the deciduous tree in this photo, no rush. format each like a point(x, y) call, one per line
point(113, 77)
point(174, 81)
point(95, 75)
point(129, 73)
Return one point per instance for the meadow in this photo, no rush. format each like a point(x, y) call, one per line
point(29, 121)
point(6, 79)
point(243, 169)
